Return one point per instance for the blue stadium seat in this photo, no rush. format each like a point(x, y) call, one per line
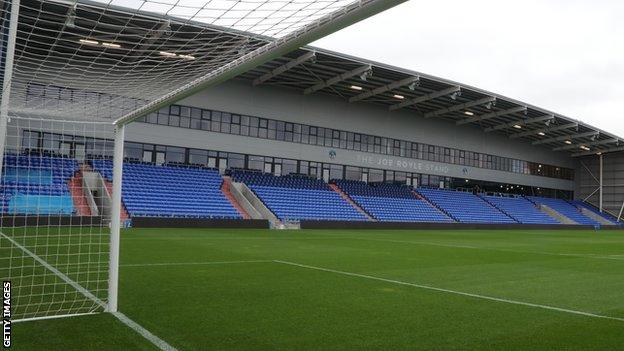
point(391, 202)
point(565, 208)
point(298, 197)
point(465, 207)
point(608, 217)
point(521, 209)
point(37, 185)
point(163, 191)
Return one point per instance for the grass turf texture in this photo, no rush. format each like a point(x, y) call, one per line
point(274, 306)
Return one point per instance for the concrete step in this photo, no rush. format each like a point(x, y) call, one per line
point(78, 195)
point(225, 189)
point(109, 189)
point(348, 199)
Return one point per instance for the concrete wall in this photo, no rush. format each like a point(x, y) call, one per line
point(613, 180)
point(327, 111)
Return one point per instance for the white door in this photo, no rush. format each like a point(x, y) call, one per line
point(147, 156)
point(65, 149)
point(278, 170)
point(160, 158)
point(212, 162)
point(365, 177)
point(79, 152)
point(222, 165)
point(268, 168)
point(326, 175)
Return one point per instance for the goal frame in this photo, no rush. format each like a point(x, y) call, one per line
point(355, 12)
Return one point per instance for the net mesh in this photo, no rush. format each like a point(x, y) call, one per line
point(104, 59)
point(54, 242)
point(78, 66)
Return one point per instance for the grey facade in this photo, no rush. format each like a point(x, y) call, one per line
point(327, 111)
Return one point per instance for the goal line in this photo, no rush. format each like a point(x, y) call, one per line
point(158, 342)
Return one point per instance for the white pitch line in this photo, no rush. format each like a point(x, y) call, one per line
point(455, 292)
point(158, 342)
point(192, 263)
point(60, 274)
point(125, 320)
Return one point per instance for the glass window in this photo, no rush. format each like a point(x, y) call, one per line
point(255, 162)
point(175, 154)
point(198, 157)
point(173, 110)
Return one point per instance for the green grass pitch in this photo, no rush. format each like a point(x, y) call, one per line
point(357, 290)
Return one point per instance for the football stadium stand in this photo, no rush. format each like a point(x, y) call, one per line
point(565, 209)
point(520, 209)
point(42, 184)
point(37, 184)
point(607, 217)
point(391, 202)
point(164, 191)
point(465, 207)
point(293, 198)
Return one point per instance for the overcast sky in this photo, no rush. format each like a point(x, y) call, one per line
point(565, 56)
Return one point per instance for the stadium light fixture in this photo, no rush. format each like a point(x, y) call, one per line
point(469, 113)
point(89, 42)
point(585, 148)
point(111, 45)
point(541, 134)
point(517, 126)
point(569, 142)
point(187, 57)
point(167, 54)
point(356, 87)
point(397, 96)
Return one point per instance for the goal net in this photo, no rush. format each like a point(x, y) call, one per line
point(73, 73)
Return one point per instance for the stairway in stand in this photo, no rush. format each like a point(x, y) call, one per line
point(124, 212)
point(225, 189)
point(78, 196)
point(348, 199)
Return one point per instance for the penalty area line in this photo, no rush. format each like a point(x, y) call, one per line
point(454, 292)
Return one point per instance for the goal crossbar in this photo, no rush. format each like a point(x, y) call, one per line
point(325, 26)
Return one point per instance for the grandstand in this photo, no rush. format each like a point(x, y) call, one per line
point(166, 127)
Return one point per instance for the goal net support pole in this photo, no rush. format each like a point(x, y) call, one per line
point(7, 74)
point(115, 223)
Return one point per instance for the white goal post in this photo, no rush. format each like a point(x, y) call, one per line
point(74, 73)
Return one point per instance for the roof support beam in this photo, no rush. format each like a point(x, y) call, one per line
point(421, 99)
point(492, 115)
point(460, 107)
point(598, 152)
point(385, 88)
point(593, 143)
point(544, 130)
point(520, 123)
point(337, 79)
point(566, 137)
point(285, 67)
